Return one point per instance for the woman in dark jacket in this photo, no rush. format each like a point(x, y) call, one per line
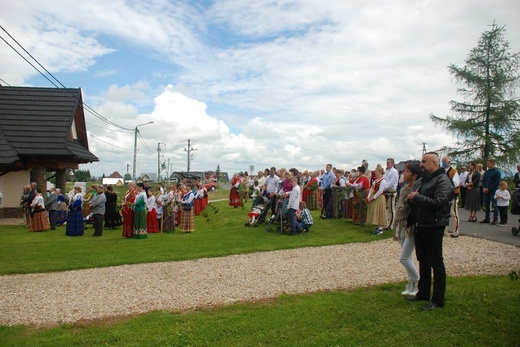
point(112, 216)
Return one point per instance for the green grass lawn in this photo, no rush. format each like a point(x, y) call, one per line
point(219, 231)
point(480, 311)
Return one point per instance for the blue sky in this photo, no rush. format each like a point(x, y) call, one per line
point(263, 83)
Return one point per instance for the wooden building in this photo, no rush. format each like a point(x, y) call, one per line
point(41, 130)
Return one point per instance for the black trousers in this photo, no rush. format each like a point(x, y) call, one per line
point(428, 248)
point(52, 219)
point(463, 192)
point(503, 214)
point(273, 203)
point(98, 224)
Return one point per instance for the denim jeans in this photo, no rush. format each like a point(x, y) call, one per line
point(489, 199)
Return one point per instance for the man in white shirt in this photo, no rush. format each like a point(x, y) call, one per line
point(326, 189)
point(392, 179)
point(270, 188)
point(455, 180)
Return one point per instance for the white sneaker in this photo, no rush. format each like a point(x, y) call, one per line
point(379, 232)
point(414, 287)
point(408, 288)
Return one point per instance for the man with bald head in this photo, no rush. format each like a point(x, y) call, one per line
point(430, 203)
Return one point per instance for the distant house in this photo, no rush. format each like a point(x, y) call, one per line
point(115, 174)
point(113, 181)
point(41, 130)
point(148, 177)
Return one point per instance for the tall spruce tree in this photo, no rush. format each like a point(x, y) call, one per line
point(487, 122)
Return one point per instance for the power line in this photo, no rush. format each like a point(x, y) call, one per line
point(142, 141)
point(87, 107)
point(77, 129)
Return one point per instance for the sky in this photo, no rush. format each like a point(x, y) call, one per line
point(253, 84)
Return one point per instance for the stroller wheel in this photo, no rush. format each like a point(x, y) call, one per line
point(269, 230)
point(514, 231)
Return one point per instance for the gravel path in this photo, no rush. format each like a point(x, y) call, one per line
point(72, 296)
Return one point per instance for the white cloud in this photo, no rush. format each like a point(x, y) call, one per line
point(284, 83)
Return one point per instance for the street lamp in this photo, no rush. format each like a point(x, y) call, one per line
point(135, 146)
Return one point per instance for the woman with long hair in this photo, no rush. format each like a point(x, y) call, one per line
point(473, 184)
point(403, 233)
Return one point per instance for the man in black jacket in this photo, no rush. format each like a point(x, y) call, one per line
point(430, 202)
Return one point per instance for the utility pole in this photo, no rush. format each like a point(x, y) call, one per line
point(159, 160)
point(189, 149)
point(423, 148)
point(135, 147)
point(169, 172)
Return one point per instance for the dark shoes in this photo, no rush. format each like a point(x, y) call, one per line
point(485, 221)
point(323, 217)
point(495, 222)
point(415, 298)
point(431, 306)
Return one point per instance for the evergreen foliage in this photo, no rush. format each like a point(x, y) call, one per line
point(487, 122)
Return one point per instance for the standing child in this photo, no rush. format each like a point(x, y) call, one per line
point(502, 196)
point(255, 193)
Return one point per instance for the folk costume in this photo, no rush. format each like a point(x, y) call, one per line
point(75, 226)
point(187, 224)
point(39, 220)
point(310, 194)
point(377, 208)
point(61, 214)
point(128, 212)
point(234, 193)
point(361, 185)
point(151, 216)
point(140, 230)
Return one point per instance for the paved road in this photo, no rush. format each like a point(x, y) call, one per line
point(488, 231)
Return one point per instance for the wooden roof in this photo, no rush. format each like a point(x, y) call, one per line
point(37, 126)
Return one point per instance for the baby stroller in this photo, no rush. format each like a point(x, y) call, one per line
point(259, 211)
point(280, 217)
point(515, 208)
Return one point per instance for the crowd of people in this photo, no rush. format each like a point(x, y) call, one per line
point(141, 210)
point(419, 204)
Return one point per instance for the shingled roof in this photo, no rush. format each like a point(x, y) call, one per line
point(42, 124)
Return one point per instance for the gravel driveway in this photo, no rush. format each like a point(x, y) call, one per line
point(72, 296)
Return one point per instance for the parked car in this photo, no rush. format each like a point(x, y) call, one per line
point(210, 185)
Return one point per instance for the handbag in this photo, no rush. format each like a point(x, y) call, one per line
point(186, 207)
